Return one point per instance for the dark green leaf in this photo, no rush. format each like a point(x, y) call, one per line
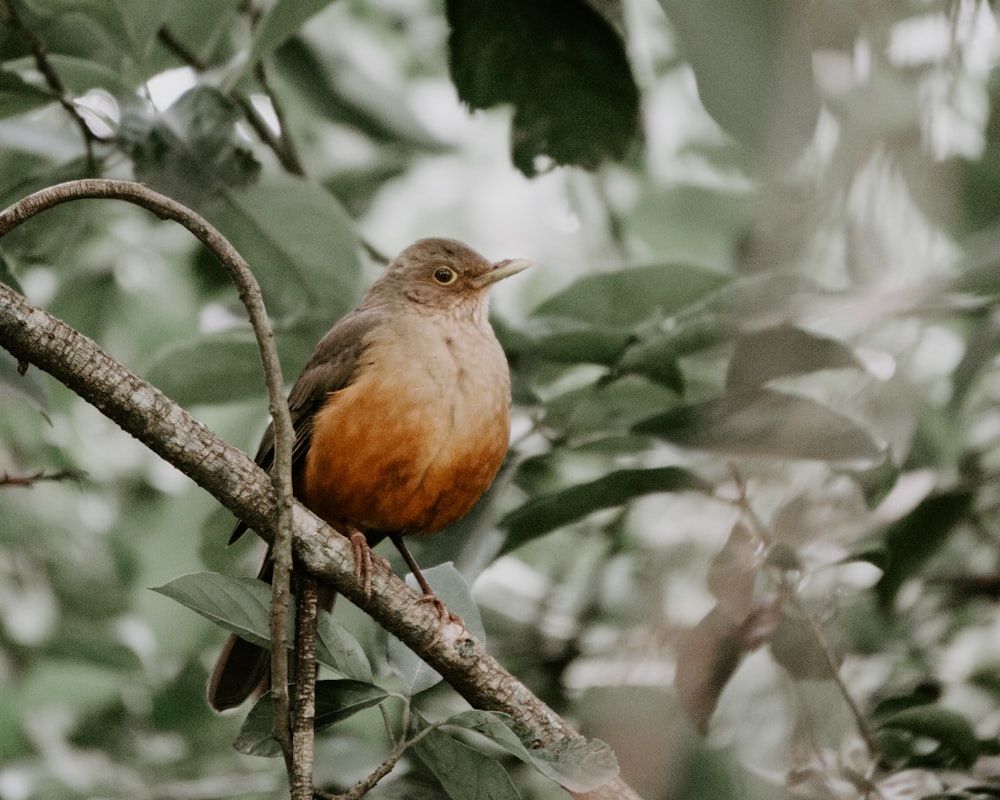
point(577, 764)
point(450, 587)
point(911, 541)
point(762, 356)
point(572, 341)
point(562, 66)
point(752, 60)
point(629, 296)
point(959, 746)
point(335, 702)
point(925, 693)
point(547, 512)
point(464, 773)
point(766, 423)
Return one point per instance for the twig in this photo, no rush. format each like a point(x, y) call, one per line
point(280, 144)
point(19, 481)
point(287, 152)
point(834, 668)
point(792, 595)
point(41, 56)
point(366, 784)
point(250, 296)
point(306, 602)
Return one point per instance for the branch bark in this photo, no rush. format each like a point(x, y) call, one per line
point(32, 335)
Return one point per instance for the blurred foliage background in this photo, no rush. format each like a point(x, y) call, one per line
point(747, 532)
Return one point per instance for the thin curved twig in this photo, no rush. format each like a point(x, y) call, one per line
point(250, 295)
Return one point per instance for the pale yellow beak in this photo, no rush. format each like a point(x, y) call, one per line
point(503, 269)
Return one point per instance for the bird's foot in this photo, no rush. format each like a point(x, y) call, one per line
point(445, 617)
point(364, 561)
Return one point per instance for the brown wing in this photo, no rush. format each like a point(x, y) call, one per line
point(333, 365)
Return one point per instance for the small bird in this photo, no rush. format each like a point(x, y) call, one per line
point(401, 417)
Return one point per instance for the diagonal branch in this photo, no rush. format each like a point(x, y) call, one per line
point(32, 335)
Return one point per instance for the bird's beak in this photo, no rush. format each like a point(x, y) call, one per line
point(503, 269)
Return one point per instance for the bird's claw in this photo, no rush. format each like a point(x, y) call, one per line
point(445, 617)
point(365, 561)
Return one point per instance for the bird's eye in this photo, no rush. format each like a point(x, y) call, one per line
point(444, 275)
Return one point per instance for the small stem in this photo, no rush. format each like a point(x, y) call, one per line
point(22, 481)
point(834, 667)
point(41, 56)
point(305, 687)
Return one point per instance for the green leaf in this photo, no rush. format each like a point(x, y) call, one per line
point(335, 702)
point(629, 296)
point(958, 745)
point(766, 423)
point(762, 356)
point(574, 341)
point(578, 764)
point(345, 95)
point(299, 241)
point(79, 74)
point(608, 406)
point(218, 368)
point(280, 22)
point(240, 605)
point(752, 60)
point(464, 773)
point(224, 367)
point(547, 512)
point(910, 542)
point(560, 64)
point(452, 589)
point(336, 647)
point(17, 96)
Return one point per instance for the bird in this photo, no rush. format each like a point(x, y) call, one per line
point(401, 419)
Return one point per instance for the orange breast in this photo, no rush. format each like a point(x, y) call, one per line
point(411, 445)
